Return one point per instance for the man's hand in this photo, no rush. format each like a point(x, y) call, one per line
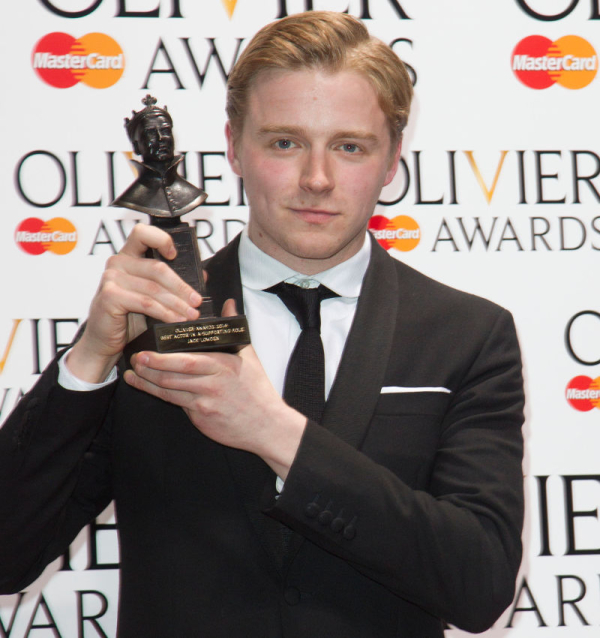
point(228, 397)
point(131, 287)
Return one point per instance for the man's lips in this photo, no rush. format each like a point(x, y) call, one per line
point(314, 215)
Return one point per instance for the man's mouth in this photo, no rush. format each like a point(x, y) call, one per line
point(314, 215)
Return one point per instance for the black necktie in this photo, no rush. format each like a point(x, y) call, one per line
point(304, 387)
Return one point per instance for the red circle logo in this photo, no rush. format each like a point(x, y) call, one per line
point(583, 393)
point(539, 63)
point(35, 236)
point(402, 232)
point(94, 59)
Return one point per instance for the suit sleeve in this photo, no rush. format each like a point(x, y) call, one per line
point(54, 475)
point(453, 548)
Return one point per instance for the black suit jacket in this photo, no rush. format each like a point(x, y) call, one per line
point(406, 504)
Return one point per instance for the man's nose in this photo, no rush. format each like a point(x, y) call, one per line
point(317, 173)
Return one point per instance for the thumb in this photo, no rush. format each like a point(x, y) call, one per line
point(229, 308)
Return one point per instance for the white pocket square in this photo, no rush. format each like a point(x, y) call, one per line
point(396, 389)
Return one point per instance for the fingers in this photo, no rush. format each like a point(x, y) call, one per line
point(179, 378)
point(150, 287)
point(133, 284)
point(144, 236)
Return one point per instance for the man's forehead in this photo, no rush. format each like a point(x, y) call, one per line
point(283, 101)
point(154, 120)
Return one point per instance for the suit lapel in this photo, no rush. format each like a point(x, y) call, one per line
point(254, 479)
point(224, 280)
point(359, 379)
point(360, 375)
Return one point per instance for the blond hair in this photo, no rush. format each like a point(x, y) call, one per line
point(328, 41)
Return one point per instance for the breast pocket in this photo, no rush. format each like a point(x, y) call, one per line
point(404, 433)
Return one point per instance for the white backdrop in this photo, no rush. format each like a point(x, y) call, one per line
point(500, 182)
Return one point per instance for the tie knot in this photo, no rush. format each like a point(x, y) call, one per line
point(303, 303)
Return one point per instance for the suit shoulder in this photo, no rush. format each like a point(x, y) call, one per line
point(437, 297)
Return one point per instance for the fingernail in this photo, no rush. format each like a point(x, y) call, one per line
point(143, 358)
point(195, 299)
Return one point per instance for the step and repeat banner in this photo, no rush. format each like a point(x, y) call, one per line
point(498, 194)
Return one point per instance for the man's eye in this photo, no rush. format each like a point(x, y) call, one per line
point(284, 144)
point(350, 148)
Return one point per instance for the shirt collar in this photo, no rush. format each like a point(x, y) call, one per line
point(260, 271)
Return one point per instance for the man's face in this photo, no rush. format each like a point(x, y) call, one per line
point(314, 152)
point(155, 139)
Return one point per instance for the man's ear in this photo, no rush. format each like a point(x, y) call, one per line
point(231, 151)
point(393, 167)
point(136, 147)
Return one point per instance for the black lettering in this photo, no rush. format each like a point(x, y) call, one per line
point(241, 193)
point(596, 229)
point(110, 156)
point(102, 232)
point(93, 620)
point(404, 166)
point(524, 587)
point(366, 15)
point(65, 565)
point(444, 228)
point(578, 222)
point(170, 68)
point(547, 18)
point(204, 238)
point(226, 223)
point(511, 237)
point(542, 176)
point(568, 341)
point(61, 171)
point(213, 54)
point(571, 514)
point(123, 13)
point(544, 520)
point(205, 178)
point(76, 201)
point(535, 234)
point(451, 162)
point(308, 6)
point(584, 178)
point(5, 631)
point(411, 71)
point(94, 529)
point(2, 404)
point(419, 199)
point(477, 232)
point(122, 232)
point(56, 344)
point(71, 14)
point(572, 602)
point(51, 623)
point(521, 164)
point(35, 328)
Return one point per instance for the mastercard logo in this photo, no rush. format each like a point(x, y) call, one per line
point(583, 393)
point(35, 236)
point(539, 63)
point(402, 232)
point(62, 61)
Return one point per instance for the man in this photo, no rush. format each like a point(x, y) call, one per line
point(405, 501)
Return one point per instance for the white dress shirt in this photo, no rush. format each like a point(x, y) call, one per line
point(273, 329)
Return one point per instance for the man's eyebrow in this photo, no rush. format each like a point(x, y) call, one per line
point(281, 130)
point(300, 131)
